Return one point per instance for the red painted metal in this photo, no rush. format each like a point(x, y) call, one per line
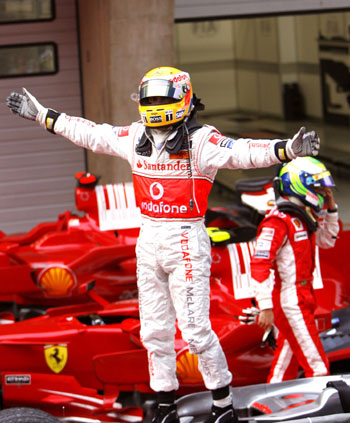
point(80, 355)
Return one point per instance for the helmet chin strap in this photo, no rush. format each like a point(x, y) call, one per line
point(290, 207)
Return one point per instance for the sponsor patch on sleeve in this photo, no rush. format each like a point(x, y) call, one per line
point(216, 138)
point(262, 248)
point(267, 234)
point(121, 131)
point(220, 140)
point(227, 143)
point(262, 254)
point(259, 144)
point(262, 244)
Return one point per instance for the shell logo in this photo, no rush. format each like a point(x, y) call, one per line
point(57, 281)
point(297, 223)
point(187, 368)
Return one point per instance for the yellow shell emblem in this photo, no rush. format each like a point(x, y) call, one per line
point(57, 281)
point(187, 368)
point(56, 356)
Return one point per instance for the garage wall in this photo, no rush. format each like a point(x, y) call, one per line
point(37, 168)
point(243, 65)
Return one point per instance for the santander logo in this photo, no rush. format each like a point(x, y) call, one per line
point(156, 190)
point(172, 166)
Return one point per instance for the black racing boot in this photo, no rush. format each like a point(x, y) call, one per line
point(222, 415)
point(166, 414)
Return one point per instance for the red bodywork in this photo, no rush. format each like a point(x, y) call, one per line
point(76, 359)
point(48, 264)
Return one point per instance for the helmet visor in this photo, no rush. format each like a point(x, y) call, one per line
point(160, 88)
point(323, 179)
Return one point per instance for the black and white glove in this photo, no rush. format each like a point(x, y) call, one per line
point(269, 338)
point(28, 107)
point(303, 144)
point(249, 316)
point(24, 105)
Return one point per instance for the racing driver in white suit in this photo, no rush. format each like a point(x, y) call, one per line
point(174, 161)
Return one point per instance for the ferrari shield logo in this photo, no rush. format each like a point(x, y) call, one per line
point(56, 356)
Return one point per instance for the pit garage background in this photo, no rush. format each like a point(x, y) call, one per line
point(257, 65)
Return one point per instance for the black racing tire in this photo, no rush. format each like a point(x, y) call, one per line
point(26, 415)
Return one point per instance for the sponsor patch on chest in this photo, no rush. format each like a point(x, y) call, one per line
point(300, 236)
point(297, 223)
point(169, 166)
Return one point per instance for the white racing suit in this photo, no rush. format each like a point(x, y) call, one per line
point(173, 249)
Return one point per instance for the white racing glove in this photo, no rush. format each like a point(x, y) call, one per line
point(24, 105)
point(303, 144)
point(250, 316)
point(28, 107)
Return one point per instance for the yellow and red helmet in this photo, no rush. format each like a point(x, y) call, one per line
point(174, 88)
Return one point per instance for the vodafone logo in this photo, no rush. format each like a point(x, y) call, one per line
point(216, 138)
point(156, 190)
point(123, 131)
point(179, 78)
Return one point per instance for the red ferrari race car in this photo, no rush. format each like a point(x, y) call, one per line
point(48, 265)
point(85, 362)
